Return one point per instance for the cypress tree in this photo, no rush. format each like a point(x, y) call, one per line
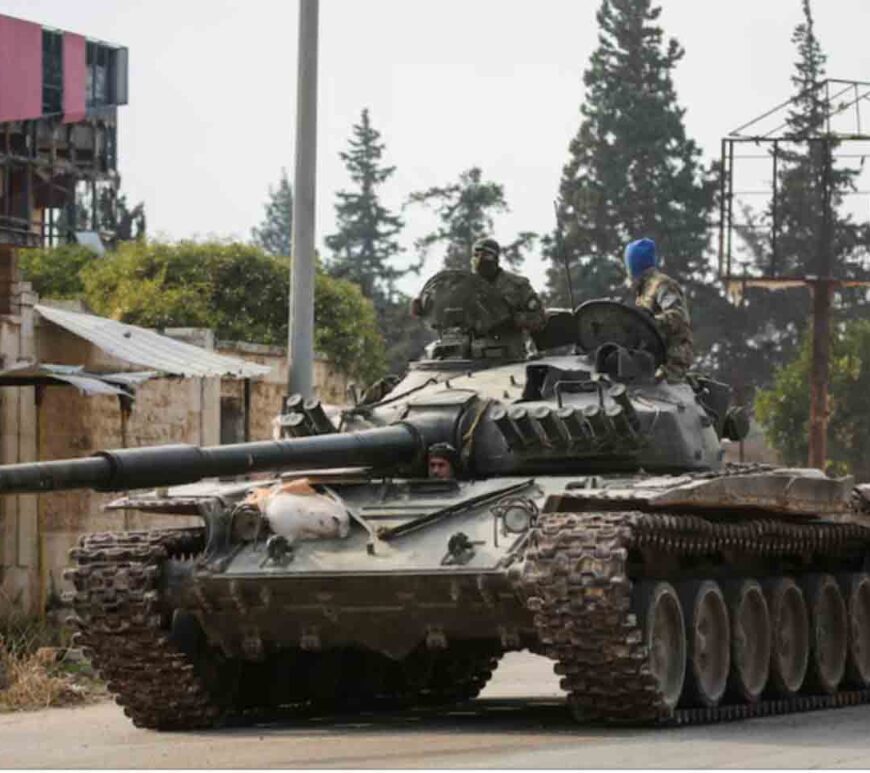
point(632, 171)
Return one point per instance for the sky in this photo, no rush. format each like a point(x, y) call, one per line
point(449, 84)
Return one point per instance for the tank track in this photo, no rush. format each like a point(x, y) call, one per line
point(455, 678)
point(127, 632)
point(576, 582)
point(122, 625)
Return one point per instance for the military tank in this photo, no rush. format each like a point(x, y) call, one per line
point(591, 519)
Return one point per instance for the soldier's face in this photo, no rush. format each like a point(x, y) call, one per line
point(440, 468)
point(484, 264)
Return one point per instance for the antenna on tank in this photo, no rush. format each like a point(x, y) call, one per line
point(560, 249)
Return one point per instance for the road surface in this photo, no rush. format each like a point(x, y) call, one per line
point(520, 722)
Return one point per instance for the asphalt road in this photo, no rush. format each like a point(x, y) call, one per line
point(520, 722)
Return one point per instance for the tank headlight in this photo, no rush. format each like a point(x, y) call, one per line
point(517, 519)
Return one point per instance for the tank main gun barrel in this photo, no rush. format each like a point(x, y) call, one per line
point(151, 466)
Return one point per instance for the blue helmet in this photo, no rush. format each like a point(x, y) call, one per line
point(639, 256)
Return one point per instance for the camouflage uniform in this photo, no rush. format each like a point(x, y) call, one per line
point(528, 312)
point(664, 298)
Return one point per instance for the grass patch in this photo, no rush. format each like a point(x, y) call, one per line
point(39, 669)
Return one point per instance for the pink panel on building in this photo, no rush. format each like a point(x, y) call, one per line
point(20, 69)
point(74, 77)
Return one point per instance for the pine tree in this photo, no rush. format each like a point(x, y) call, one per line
point(275, 232)
point(465, 212)
point(801, 201)
point(632, 171)
point(365, 246)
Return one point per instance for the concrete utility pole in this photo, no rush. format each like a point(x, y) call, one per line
point(822, 289)
point(300, 344)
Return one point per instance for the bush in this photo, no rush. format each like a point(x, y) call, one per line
point(784, 409)
point(235, 289)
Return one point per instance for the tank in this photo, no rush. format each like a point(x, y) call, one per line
point(590, 519)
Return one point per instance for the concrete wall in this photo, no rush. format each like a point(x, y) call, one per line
point(267, 393)
point(19, 523)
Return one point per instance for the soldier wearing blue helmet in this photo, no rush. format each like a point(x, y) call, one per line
point(664, 299)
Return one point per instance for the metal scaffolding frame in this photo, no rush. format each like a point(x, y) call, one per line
point(842, 100)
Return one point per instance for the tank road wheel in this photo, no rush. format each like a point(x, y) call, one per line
point(708, 636)
point(660, 616)
point(856, 588)
point(829, 632)
point(750, 639)
point(789, 635)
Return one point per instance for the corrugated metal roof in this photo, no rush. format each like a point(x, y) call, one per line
point(140, 346)
point(35, 373)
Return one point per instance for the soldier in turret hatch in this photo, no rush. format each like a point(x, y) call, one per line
point(515, 289)
point(663, 297)
point(526, 311)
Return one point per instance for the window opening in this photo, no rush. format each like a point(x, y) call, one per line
point(52, 72)
point(101, 75)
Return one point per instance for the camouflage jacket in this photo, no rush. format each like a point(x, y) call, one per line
point(664, 299)
point(523, 300)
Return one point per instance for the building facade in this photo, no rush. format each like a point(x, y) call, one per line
point(59, 95)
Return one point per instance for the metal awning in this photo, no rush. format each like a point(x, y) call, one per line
point(41, 374)
point(149, 349)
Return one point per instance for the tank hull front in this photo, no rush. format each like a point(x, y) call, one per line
point(387, 613)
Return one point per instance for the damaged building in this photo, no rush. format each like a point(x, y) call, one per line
point(59, 98)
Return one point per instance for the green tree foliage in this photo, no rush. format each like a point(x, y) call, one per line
point(465, 211)
point(632, 171)
point(56, 272)
point(365, 244)
point(784, 408)
point(236, 289)
point(274, 234)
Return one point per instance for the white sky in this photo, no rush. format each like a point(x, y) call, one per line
point(450, 84)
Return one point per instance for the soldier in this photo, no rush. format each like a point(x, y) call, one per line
point(664, 299)
point(515, 289)
point(527, 312)
point(443, 461)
